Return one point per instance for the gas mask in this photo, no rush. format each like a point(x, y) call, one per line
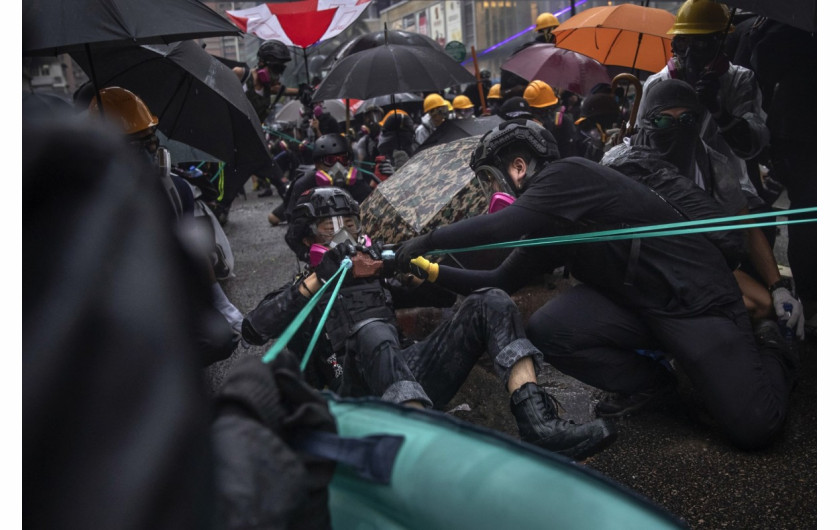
point(337, 175)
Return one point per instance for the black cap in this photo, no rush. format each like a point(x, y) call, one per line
point(515, 108)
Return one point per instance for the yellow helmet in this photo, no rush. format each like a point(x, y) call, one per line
point(433, 101)
point(546, 21)
point(125, 107)
point(539, 95)
point(699, 17)
point(495, 92)
point(462, 102)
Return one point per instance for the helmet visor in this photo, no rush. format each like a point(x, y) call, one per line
point(492, 181)
point(337, 229)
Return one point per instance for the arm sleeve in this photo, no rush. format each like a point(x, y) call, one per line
point(516, 271)
point(273, 314)
point(509, 224)
point(742, 99)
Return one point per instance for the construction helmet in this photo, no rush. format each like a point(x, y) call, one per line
point(546, 21)
point(125, 107)
point(487, 162)
point(462, 102)
point(539, 95)
point(495, 92)
point(699, 17)
point(433, 101)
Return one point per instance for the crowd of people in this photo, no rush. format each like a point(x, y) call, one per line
point(644, 313)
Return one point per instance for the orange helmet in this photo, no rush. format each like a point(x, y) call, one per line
point(125, 107)
point(539, 95)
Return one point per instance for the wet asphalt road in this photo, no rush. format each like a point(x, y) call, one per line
point(665, 453)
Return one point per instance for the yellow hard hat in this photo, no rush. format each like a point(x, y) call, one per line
point(495, 92)
point(125, 107)
point(700, 17)
point(448, 105)
point(462, 102)
point(433, 101)
point(539, 95)
point(546, 20)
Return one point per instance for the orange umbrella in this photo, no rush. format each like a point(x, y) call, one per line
point(622, 35)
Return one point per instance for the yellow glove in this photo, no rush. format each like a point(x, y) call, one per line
point(424, 269)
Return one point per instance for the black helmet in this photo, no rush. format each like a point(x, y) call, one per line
point(522, 133)
point(330, 144)
point(314, 204)
point(273, 53)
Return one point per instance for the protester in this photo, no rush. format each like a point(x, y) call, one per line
point(363, 352)
point(220, 336)
point(733, 122)
point(436, 111)
point(597, 126)
point(118, 430)
point(494, 99)
point(463, 107)
point(546, 109)
point(472, 92)
point(675, 294)
point(264, 81)
point(512, 85)
point(333, 167)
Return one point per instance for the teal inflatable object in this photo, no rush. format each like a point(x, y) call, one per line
point(450, 474)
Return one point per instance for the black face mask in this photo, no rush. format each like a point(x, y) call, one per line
point(676, 140)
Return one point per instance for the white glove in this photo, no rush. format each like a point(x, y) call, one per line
point(781, 296)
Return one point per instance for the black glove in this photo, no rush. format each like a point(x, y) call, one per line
point(707, 88)
point(331, 261)
point(375, 250)
point(412, 248)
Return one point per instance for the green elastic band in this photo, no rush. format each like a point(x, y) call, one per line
point(345, 266)
point(643, 231)
point(290, 331)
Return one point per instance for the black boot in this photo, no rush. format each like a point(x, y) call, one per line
point(539, 424)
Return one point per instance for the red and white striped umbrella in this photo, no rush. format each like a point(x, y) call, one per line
point(301, 23)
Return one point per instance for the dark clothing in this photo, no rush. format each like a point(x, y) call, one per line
point(359, 191)
point(362, 332)
point(260, 102)
point(472, 92)
point(561, 125)
point(674, 293)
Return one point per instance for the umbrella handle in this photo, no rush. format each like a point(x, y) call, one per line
point(628, 128)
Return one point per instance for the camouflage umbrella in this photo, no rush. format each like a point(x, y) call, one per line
point(435, 187)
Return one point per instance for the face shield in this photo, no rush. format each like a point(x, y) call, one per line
point(461, 114)
point(330, 231)
point(497, 189)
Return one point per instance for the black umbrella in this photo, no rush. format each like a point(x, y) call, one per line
point(198, 101)
point(452, 130)
point(800, 14)
point(405, 100)
point(61, 26)
point(391, 69)
point(377, 38)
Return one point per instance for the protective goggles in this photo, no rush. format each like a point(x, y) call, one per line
point(337, 229)
point(680, 44)
point(464, 113)
point(440, 111)
point(666, 121)
point(330, 160)
point(492, 181)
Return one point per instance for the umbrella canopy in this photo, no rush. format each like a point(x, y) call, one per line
point(292, 111)
point(623, 35)
point(391, 69)
point(406, 101)
point(299, 24)
point(198, 101)
point(434, 188)
point(62, 26)
point(558, 67)
point(452, 130)
point(801, 14)
point(378, 38)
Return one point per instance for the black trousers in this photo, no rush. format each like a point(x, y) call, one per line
point(433, 369)
point(586, 335)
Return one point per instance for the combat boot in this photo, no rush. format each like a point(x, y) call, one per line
point(539, 423)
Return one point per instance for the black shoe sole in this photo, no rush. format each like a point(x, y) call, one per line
point(586, 448)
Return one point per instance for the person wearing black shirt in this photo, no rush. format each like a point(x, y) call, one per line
point(675, 294)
